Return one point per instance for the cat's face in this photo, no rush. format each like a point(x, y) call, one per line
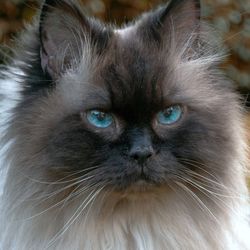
point(125, 107)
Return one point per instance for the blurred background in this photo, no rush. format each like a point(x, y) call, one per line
point(230, 17)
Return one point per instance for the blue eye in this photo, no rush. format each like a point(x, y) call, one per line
point(170, 115)
point(100, 119)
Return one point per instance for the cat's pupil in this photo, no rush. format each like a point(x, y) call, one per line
point(101, 116)
point(168, 112)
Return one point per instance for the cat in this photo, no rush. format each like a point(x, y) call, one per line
point(123, 138)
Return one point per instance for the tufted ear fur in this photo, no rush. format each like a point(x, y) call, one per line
point(178, 19)
point(64, 32)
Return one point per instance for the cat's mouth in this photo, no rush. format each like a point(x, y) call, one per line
point(140, 181)
point(141, 189)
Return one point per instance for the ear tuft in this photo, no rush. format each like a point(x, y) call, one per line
point(64, 32)
point(179, 16)
point(185, 13)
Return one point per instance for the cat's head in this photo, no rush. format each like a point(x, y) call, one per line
point(119, 107)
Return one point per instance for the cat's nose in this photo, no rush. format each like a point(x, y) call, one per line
point(141, 153)
point(141, 146)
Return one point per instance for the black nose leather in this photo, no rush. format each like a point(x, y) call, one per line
point(141, 153)
point(141, 148)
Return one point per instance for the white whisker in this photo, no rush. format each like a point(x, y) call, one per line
point(199, 201)
point(75, 216)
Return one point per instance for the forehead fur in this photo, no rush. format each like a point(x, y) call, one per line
point(132, 76)
point(140, 71)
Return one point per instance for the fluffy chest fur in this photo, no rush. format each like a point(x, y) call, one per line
point(151, 221)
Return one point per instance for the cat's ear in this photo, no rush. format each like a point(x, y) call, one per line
point(64, 31)
point(179, 18)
